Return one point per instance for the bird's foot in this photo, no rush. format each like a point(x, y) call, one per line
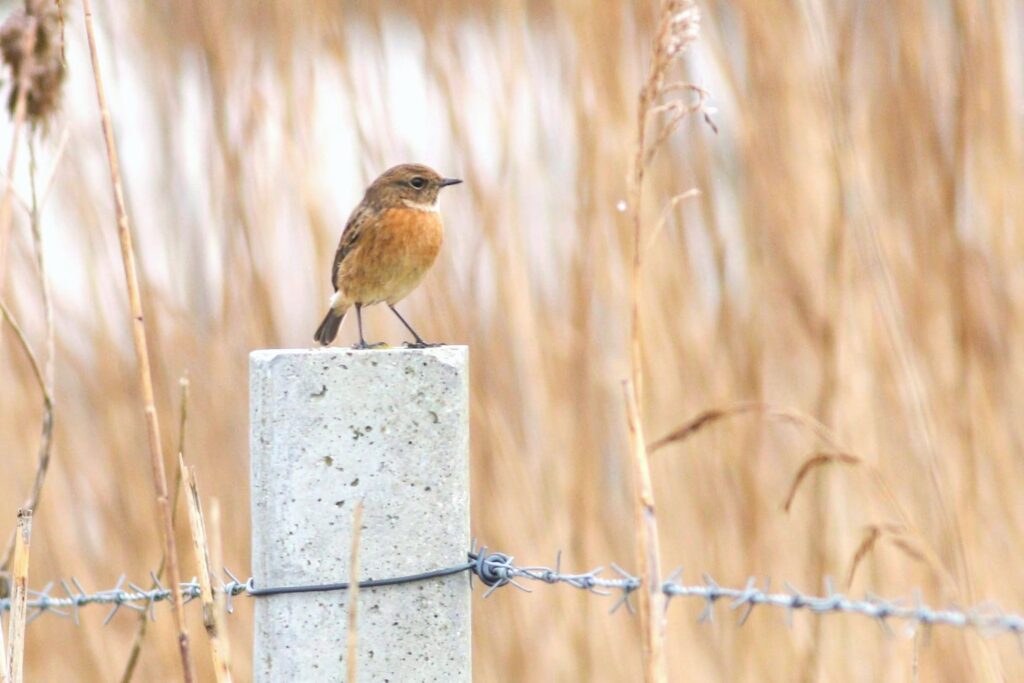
point(362, 345)
point(420, 344)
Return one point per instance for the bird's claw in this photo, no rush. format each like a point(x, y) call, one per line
point(362, 345)
point(420, 345)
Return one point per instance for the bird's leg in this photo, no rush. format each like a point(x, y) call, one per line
point(362, 342)
point(419, 343)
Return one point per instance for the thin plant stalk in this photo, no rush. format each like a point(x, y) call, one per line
point(37, 372)
point(353, 594)
point(46, 438)
point(140, 632)
point(219, 597)
point(677, 27)
point(201, 547)
point(647, 548)
point(141, 353)
point(44, 373)
point(646, 543)
point(19, 599)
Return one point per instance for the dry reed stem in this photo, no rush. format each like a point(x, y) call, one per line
point(220, 600)
point(45, 375)
point(47, 428)
point(647, 550)
point(141, 353)
point(645, 523)
point(636, 188)
point(20, 110)
point(140, 631)
point(19, 598)
point(46, 438)
point(201, 547)
point(353, 593)
point(675, 31)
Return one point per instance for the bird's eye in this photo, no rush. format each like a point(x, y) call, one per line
point(418, 182)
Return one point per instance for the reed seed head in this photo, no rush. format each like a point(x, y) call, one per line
point(45, 64)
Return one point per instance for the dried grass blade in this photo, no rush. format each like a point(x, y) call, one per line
point(219, 597)
point(353, 594)
point(201, 547)
point(19, 599)
point(141, 351)
point(651, 604)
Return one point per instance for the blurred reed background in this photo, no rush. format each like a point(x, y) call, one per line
point(854, 256)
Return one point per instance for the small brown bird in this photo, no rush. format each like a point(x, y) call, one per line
point(390, 241)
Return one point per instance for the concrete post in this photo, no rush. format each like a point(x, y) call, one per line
point(328, 428)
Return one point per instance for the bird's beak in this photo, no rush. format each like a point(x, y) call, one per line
point(445, 182)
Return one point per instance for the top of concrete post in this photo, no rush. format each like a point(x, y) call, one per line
point(446, 353)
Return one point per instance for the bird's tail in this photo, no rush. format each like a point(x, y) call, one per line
point(328, 329)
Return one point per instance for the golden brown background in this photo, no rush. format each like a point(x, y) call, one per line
point(855, 255)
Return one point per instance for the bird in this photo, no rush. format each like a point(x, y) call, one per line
point(390, 241)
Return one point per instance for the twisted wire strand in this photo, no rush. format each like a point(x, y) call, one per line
point(496, 570)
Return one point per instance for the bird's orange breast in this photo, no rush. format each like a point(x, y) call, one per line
point(394, 252)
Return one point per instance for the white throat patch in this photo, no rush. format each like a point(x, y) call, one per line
point(420, 206)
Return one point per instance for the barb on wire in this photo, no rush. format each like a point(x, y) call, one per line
point(496, 570)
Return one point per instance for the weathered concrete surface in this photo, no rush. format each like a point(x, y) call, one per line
point(330, 427)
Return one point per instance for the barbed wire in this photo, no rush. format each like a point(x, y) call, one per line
point(496, 570)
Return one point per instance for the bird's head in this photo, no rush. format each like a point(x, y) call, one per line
point(413, 185)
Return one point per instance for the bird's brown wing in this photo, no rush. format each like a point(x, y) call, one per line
point(350, 237)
